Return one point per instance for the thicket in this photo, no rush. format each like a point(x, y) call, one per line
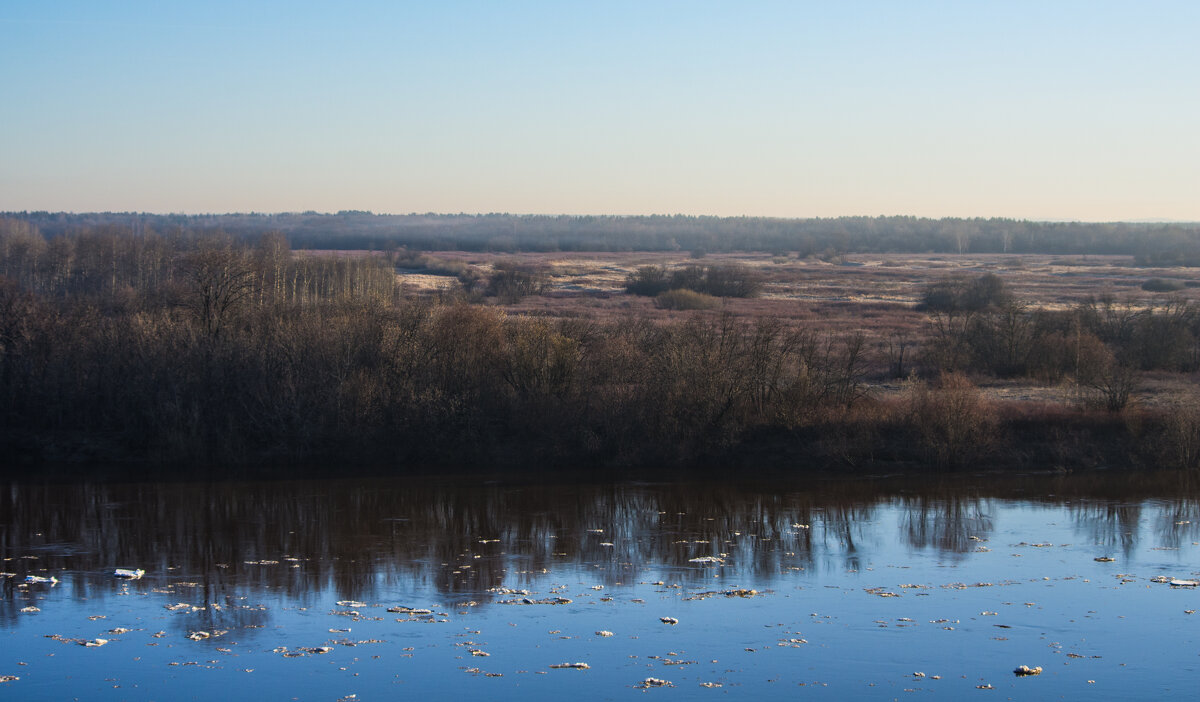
point(512, 281)
point(1101, 344)
point(203, 349)
point(1163, 285)
point(728, 280)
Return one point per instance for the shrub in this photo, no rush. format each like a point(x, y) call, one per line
point(429, 265)
point(961, 294)
point(1163, 285)
point(731, 281)
point(647, 281)
point(1108, 381)
point(684, 299)
point(1181, 436)
point(512, 282)
point(952, 420)
point(441, 266)
point(690, 278)
point(1112, 385)
point(719, 281)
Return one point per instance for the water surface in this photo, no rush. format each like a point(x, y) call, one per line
point(870, 589)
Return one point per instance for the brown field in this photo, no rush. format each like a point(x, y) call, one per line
point(848, 287)
point(877, 294)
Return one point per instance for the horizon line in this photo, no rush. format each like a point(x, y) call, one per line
point(371, 213)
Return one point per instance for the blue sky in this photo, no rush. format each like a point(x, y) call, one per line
point(1040, 110)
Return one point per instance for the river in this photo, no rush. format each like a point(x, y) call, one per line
point(366, 589)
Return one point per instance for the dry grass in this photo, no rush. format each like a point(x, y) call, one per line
point(884, 279)
point(872, 293)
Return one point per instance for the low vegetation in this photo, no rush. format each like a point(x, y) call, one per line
point(512, 281)
point(1163, 285)
point(730, 280)
point(684, 299)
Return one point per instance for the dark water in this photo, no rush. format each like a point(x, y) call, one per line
point(864, 589)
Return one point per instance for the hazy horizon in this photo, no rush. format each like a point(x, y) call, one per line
point(334, 213)
point(1069, 111)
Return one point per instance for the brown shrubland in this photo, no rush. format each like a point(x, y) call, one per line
point(203, 348)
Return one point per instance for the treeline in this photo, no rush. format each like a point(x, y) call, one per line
point(202, 349)
point(1151, 244)
point(113, 268)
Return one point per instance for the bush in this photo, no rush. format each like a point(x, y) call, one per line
point(690, 278)
point(441, 266)
point(719, 281)
point(512, 282)
point(960, 294)
point(1163, 285)
point(647, 281)
point(953, 422)
point(1181, 438)
point(430, 265)
point(684, 299)
point(731, 281)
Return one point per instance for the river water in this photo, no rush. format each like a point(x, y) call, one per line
point(934, 587)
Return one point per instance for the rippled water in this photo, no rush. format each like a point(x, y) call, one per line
point(861, 589)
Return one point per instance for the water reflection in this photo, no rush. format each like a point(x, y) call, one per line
point(1113, 525)
point(946, 524)
point(460, 539)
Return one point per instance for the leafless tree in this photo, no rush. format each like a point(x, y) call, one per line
point(219, 280)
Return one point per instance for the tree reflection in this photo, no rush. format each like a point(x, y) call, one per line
point(946, 523)
point(1111, 525)
point(220, 543)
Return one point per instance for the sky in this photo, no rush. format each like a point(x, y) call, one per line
point(1049, 109)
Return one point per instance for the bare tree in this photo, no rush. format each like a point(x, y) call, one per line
point(220, 279)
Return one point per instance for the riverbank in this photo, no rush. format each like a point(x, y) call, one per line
point(879, 439)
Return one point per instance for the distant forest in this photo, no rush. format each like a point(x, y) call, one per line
point(1150, 244)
